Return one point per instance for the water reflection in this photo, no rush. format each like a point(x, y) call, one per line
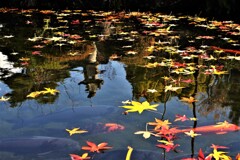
point(98, 60)
point(91, 78)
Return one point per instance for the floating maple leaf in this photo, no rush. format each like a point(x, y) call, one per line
point(129, 153)
point(187, 81)
point(224, 124)
point(140, 107)
point(171, 88)
point(160, 124)
point(192, 134)
point(24, 59)
point(34, 94)
point(219, 155)
point(181, 118)
point(75, 131)
point(152, 65)
point(92, 147)
point(200, 156)
point(4, 99)
point(168, 146)
point(146, 134)
point(188, 100)
point(77, 157)
point(51, 91)
point(152, 90)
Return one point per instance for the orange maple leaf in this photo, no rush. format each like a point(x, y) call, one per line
point(159, 124)
point(188, 100)
point(92, 147)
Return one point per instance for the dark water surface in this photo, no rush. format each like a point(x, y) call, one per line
point(96, 61)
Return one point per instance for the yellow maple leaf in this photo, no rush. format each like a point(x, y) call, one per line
point(75, 131)
point(24, 59)
point(51, 91)
point(219, 155)
point(193, 119)
point(171, 88)
point(152, 65)
point(83, 157)
point(34, 94)
point(166, 142)
point(225, 124)
point(3, 99)
point(129, 153)
point(192, 134)
point(140, 107)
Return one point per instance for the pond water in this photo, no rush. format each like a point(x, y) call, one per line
point(75, 69)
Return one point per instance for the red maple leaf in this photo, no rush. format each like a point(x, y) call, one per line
point(168, 147)
point(187, 80)
point(113, 127)
point(77, 157)
point(181, 118)
point(92, 147)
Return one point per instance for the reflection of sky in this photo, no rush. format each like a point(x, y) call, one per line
point(4, 89)
point(6, 65)
point(113, 91)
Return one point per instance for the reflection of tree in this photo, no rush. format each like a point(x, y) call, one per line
point(220, 94)
point(35, 80)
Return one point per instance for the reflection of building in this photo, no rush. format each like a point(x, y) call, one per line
point(92, 81)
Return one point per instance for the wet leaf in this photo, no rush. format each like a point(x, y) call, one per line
point(34, 94)
point(219, 155)
point(146, 134)
point(181, 118)
point(188, 100)
point(192, 134)
point(171, 88)
point(92, 147)
point(159, 124)
point(140, 107)
point(77, 157)
point(75, 131)
point(51, 91)
point(168, 146)
point(4, 99)
point(129, 153)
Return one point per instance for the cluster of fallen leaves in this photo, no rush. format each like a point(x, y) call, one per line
point(167, 134)
point(162, 130)
point(91, 146)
